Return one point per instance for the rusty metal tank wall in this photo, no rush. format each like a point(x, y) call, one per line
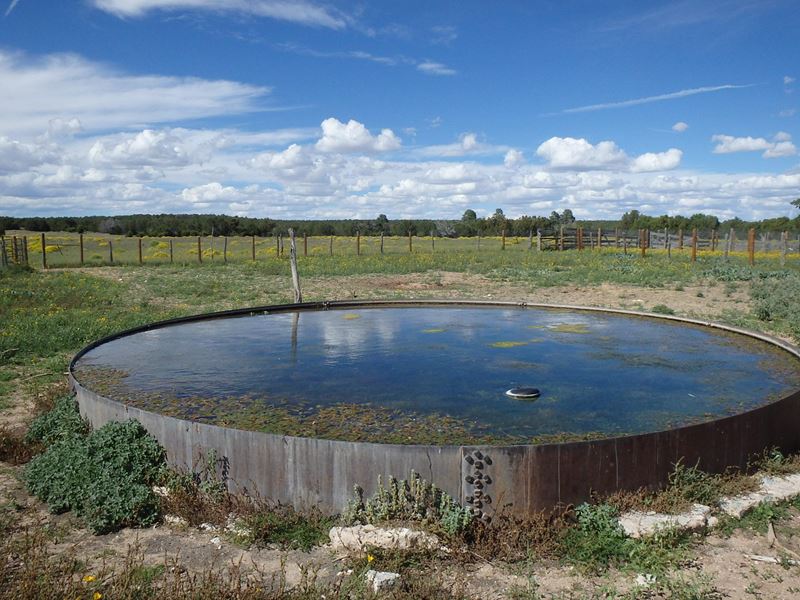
point(521, 479)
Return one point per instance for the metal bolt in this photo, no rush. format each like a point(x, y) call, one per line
point(487, 499)
point(468, 499)
point(487, 480)
point(469, 459)
point(469, 479)
point(478, 464)
point(478, 493)
point(488, 460)
point(478, 504)
point(478, 485)
point(478, 454)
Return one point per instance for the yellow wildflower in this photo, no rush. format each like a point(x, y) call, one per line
point(97, 596)
point(89, 579)
point(370, 558)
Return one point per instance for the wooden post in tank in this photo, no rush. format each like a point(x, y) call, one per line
point(298, 295)
point(139, 240)
point(44, 251)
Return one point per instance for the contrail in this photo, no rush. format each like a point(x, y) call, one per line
point(648, 99)
point(11, 7)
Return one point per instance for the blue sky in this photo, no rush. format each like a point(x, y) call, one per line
point(309, 109)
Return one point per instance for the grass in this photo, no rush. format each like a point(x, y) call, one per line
point(47, 316)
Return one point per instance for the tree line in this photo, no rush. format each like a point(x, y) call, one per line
point(469, 225)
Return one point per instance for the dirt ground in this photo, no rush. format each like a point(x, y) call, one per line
point(722, 561)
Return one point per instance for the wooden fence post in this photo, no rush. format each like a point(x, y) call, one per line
point(727, 247)
point(539, 240)
point(358, 243)
point(111, 251)
point(503, 240)
point(25, 250)
point(140, 250)
point(694, 244)
point(199, 250)
point(171, 252)
point(409, 242)
point(381, 242)
point(643, 241)
point(666, 238)
point(330, 247)
point(44, 251)
point(561, 238)
point(305, 244)
point(599, 238)
point(3, 253)
point(253, 249)
point(80, 243)
point(680, 238)
point(277, 246)
point(751, 246)
point(298, 296)
point(784, 247)
point(713, 240)
point(225, 249)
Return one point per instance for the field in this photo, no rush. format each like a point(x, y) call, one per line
point(47, 315)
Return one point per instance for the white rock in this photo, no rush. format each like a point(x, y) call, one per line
point(712, 521)
point(736, 506)
point(361, 537)
point(645, 580)
point(208, 527)
point(175, 521)
point(160, 490)
point(781, 488)
point(217, 542)
point(639, 524)
point(381, 579)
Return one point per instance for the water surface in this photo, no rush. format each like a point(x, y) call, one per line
point(439, 374)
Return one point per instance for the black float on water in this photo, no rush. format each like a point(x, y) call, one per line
point(523, 393)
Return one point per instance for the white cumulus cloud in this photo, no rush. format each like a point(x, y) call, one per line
point(354, 137)
point(680, 127)
point(580, 154)
point(657, 161)
point(513, 158)
point(780, 146)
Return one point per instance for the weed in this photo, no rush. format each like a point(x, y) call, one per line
point(409, 500)
point(287, 528)
point(105, 476)
point(662, 309)
point(59, 424)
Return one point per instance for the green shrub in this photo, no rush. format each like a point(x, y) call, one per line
point(61, 423)
point(105, 477)
point(598, 539)
point(662, 309)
